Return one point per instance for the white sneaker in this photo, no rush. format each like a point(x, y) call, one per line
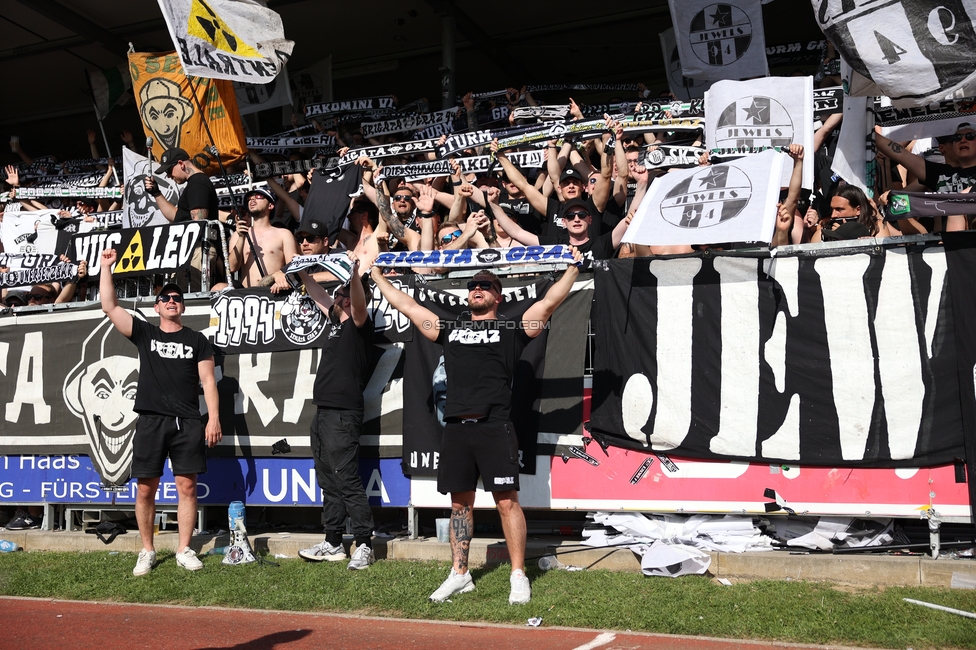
point(362, 558)
point(521, 590)
point(323, 551)
point(456, 583)
point(189, 560)
point(145, 563)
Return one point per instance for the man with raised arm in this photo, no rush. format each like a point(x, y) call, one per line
point(173, 361)
point(481, 351)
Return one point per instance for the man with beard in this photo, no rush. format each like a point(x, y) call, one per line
point(173, 361)
point(274, 246)
point(338, 421)
point(481, 351)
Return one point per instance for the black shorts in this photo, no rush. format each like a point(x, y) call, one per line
point(485, 449)
point(160, 435)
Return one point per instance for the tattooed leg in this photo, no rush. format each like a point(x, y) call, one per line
point(462, 529)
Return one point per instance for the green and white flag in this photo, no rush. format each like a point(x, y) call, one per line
point(110, 87)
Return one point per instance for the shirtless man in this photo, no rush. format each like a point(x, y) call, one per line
point(275, 246)
point(361, 238)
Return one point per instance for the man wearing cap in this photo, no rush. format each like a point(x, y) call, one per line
point(274, 246)
point(173, 361)
point(313, 239)
point(935, 176)
point(578, 217)
point(481, 352)
point(198, 200)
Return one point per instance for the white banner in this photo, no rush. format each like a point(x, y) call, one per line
point(29, 232)
point(252, 98)
point(730, 202)
point(750, 116)
point(720, 41)
point(227, 39)
point(932, 121)
point(914, 51)
point(139, 206)
point(853, 151)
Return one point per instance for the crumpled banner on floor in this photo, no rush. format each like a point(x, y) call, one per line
point(828, 533)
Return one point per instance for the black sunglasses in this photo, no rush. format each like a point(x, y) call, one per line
point(959, 136)
point(484, 285)
point(571, 216)
point(39, 296)
point(306, 238)
point(175, 297)
point(403, 197)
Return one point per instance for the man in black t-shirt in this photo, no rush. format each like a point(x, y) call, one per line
point(198, 199)
point(938, 177)
point(173, 361)
point(338, 421)
point(481, 351)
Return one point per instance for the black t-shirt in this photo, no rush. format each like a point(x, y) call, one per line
point(522, 212)
point(595, 248)
point(168, 373)
point(343, 367)
point(480, 358)
point(198, 193)
point(940, 177)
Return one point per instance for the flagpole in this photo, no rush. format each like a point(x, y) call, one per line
point(101, 127)
point(230, 186)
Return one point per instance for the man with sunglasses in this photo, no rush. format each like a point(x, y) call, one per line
point(481, 351)
point(939, 177)
point(338, 421)
point(173, 362)
point(275, 246)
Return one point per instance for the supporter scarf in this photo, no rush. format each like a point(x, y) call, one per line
point(19, 261)
point(476, 257)
point(659, 157)
point(558, 130)
point(647, 110)
point(40, 275)
point(387, 102)
point(407, 123)
point(292, 142)
point(827, 101)
point(65, 192)
point(931, 121)
point(524, 159)
point(69, 180)
point(388, 150)
point(278, 167)
point(229, 197)
point(902, 205)
point(412, 171)
point(554, 87)
point(337, 264)
point(636, 125)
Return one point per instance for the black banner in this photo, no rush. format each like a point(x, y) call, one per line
point(844, 360)
point(387, 102)
point(292, 141)
point(827, 101)
point(387, 150)
point(39, 275)
point(141, 251)
point(279, 167)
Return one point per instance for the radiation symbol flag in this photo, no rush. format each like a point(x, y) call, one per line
point(227, 39)
point(133, 259)
point(206, 25)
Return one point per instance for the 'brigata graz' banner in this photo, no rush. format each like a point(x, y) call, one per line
point(141, 251)
point(842, 360)
point(476, 257)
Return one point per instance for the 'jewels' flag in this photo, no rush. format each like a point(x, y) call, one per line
point(171, 115)
point(237, 40)
point(730, 202)
point(720, 40)
point(749, 116)
point(682, 87)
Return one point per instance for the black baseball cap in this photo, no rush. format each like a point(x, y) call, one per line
point(169, 286)
point(311, 227)
point(263, 191)
point(576, 204)
point(169, 159)
point(570, 172)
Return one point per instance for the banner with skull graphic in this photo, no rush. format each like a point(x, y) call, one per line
point(139, 206)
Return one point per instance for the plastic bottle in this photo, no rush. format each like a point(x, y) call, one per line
point(8, 547)
point(220, 550)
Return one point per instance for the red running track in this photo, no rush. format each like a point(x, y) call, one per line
point(61, 625)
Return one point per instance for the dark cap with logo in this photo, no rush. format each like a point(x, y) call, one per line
point(311, 227)
point(169, 159)
point(570, 172)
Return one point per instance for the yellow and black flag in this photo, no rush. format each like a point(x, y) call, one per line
point(172, 116)
point(236, 40)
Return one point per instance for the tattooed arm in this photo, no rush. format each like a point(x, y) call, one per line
point(908, 160)
point(393, 224)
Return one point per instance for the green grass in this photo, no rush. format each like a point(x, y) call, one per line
point(799, 612)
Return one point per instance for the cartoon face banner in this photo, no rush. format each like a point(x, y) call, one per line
point(139, 206)
point(171, 114)
point(719, 40)
point(787, 359)
point(682, 87)
point(723, 203)
point(743, 117)
point(915, 51)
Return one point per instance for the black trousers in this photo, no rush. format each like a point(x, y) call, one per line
point(335, 448)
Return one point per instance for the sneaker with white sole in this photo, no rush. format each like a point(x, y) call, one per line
point(521, 590)
point(189, 560)
point(323, 551)
point(456, 583)
point(145, 563)
point(362, 558)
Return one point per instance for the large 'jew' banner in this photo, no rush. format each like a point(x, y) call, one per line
point(843, 360)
